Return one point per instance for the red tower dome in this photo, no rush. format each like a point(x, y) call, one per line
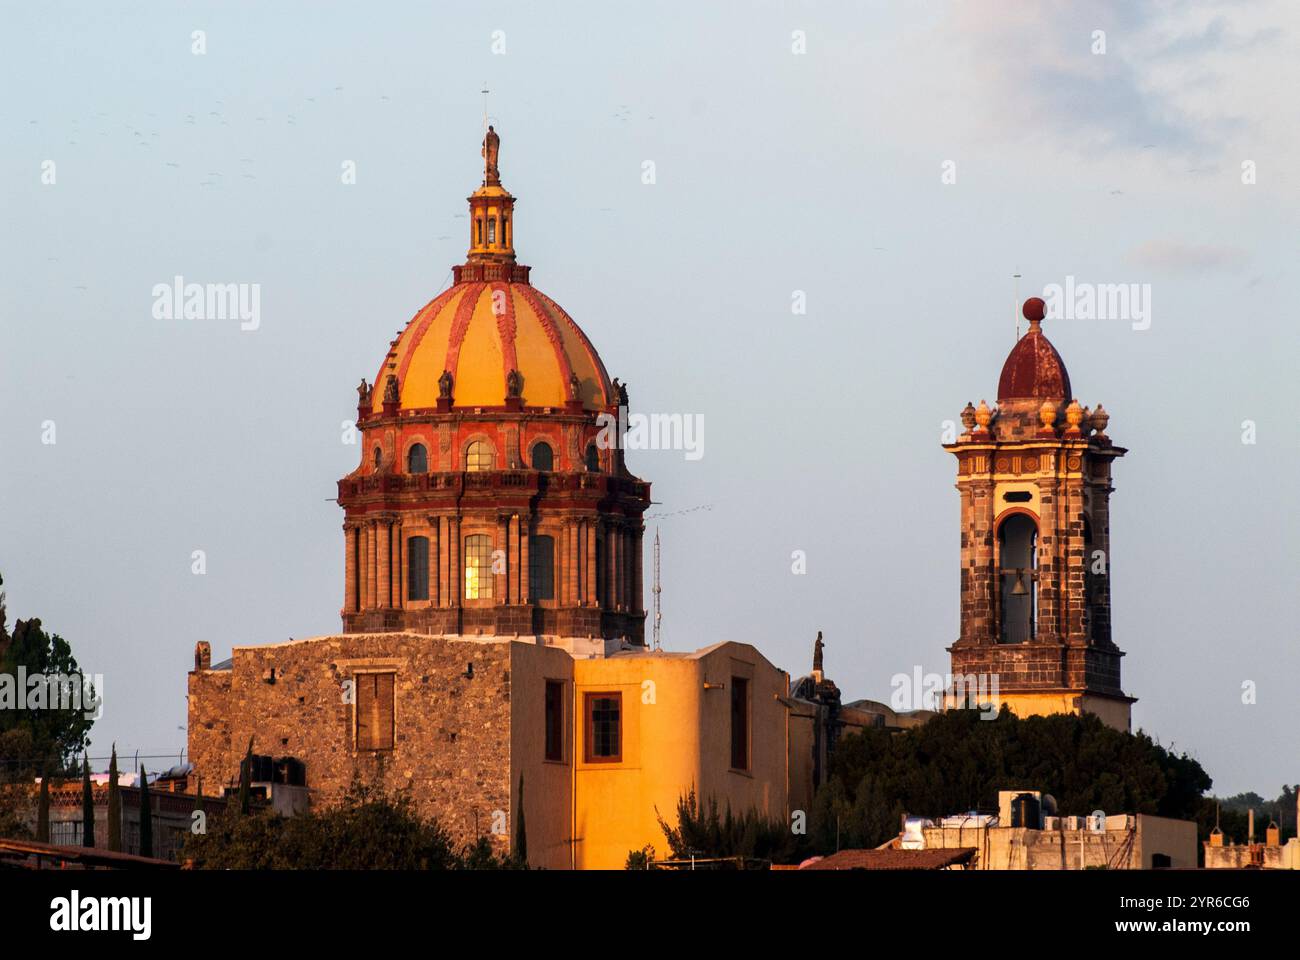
point(1034, 370)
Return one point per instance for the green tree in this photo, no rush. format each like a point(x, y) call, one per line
point(705, 833)
point(367, 829)
point(146, 816)
point(87, 805)
point(30, 739)
point(521, 834)
point(43, 812)
point(114, 806)
point(957, 762)
point(246, 780)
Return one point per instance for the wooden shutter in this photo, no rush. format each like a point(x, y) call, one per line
point(374, 711)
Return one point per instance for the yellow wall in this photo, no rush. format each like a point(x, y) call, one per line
point(1113, 713)
point(548, 785)
point(676, 736)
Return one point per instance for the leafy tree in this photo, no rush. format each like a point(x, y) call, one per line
point(368, 829)
point(705, 834)
point(31, 739)
point(957, 761)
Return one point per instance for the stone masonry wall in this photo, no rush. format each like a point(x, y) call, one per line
point(451, 746)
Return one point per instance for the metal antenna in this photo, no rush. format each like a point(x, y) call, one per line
point(658, 589)
point(484, 91)
point(1015, 302)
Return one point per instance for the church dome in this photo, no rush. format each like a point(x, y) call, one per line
point(1034, 370)
point(478, 331)
point(492, 339)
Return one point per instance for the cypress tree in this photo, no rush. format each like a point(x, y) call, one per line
point(521, 834)
point(114, 806)
point(146, 816)
point(43, 811)
point(87, 805)
point(246, 780)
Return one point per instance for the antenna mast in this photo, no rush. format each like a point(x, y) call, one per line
point(1015, 302)
point(658, 589)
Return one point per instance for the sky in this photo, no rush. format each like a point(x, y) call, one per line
point(892, 165)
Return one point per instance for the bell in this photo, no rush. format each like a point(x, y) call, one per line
point(1019, 589)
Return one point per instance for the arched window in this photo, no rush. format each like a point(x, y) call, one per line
point(479, 456)
point(378, 456)
point(417, 459)
point(543, 457)
point(417, 568)
point(593, 458)
point(1018, 550)
point(478, 567)
point(541, 568)
point(492, 230)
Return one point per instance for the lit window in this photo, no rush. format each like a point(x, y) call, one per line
point(479, 456)
point(604, 727)
point(739, 723)
point(417, 568)
point(478, 567)
point(593, 458)
point(374, 711)
point(554, 720)
point(543, 457)
point(541, 568)
point(417, 459)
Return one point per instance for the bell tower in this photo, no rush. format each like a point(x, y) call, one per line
point(1034, 477)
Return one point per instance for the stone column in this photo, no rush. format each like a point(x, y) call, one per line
point(351, 599)
point(385, 533)
point(590, 579)
point(501, 581)
point(525, 537)
point(456, 575)
point(638, 598)
point(517, 558)
point(611, 534)
point(369, 565)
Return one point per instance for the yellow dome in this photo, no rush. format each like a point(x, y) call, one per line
point(480, 331)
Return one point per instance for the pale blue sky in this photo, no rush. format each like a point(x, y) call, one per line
point(775, 173)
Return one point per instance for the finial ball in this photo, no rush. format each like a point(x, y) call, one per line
point(1034, 309)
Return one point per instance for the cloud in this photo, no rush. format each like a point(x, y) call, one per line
point(1164, 82)
point(1177, 257)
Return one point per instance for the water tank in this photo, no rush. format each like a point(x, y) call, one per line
point(1026, 811)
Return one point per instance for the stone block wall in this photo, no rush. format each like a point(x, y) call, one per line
point(452, 721)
